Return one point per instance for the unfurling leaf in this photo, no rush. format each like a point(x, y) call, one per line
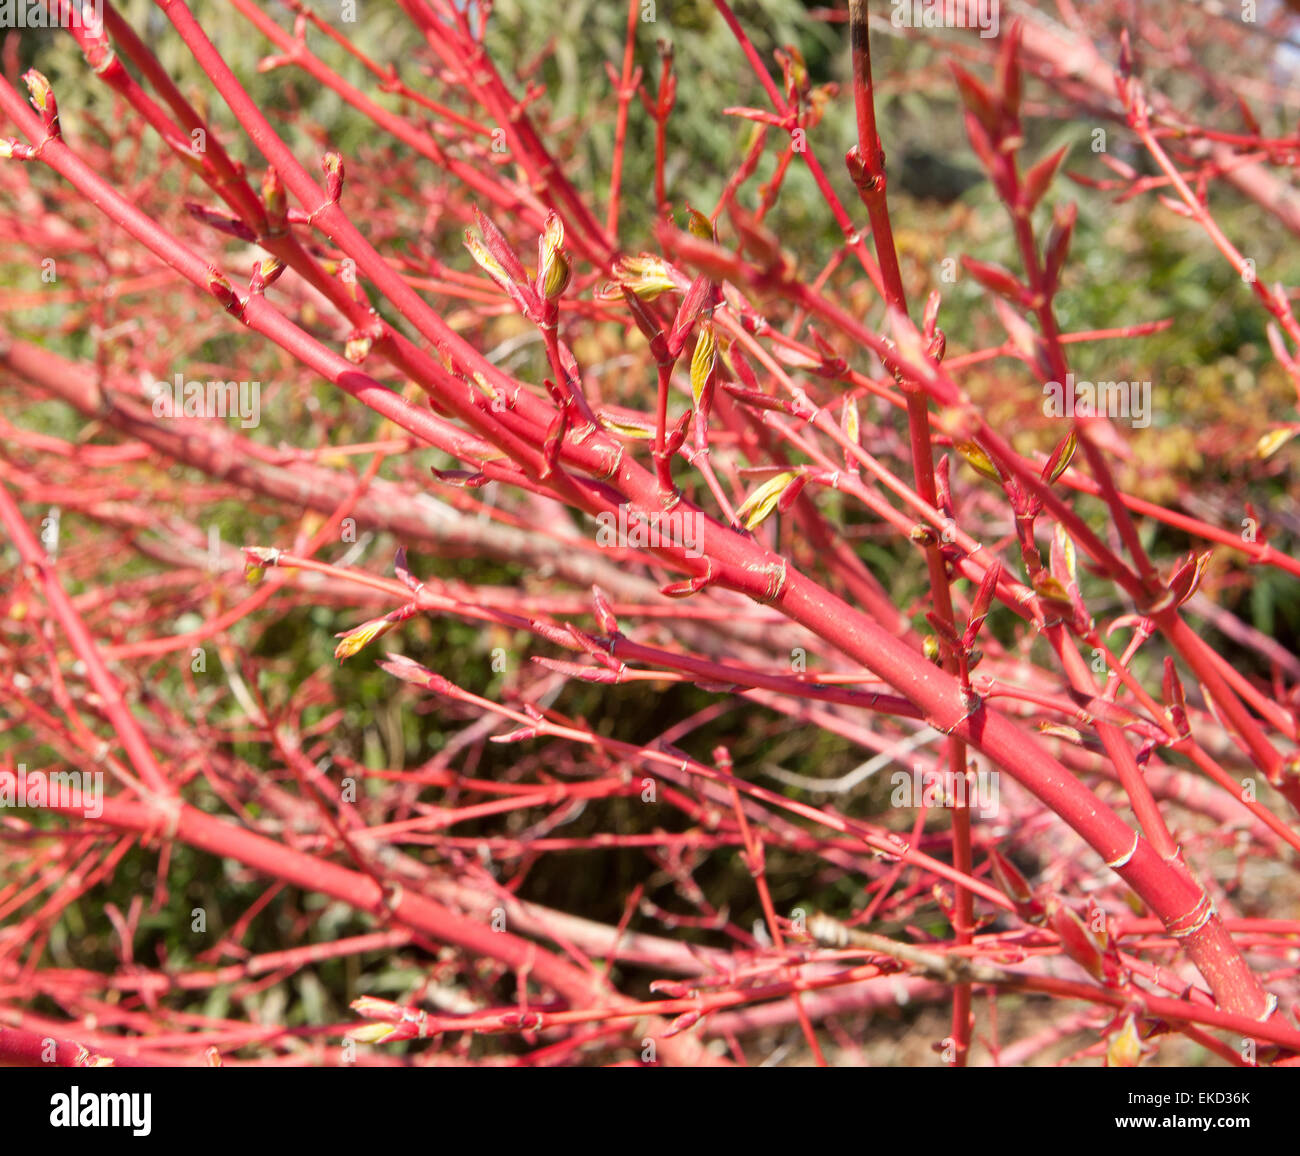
point(1063, 549)
point(704, 360)
point(645, 275)
point(553, 270)
point(1124, 1048)
point(756, 509)
point(978, 460)
point(484, 259)
point(1061, 731)
point(361, 636)
point(1061, 457)
point(627, 428)
point(1051, 590)
point(1274, 440)
point(701, 226)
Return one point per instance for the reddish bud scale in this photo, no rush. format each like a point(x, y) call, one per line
point(1176, 710)
point(671, 988)
point(1013, 884)
point(1008, 73)
point(265, 274)
point(222, 223)
point(399, 666)
point(743, 370)
point(402, 570)
point(560, 635)
point(758, 399)
point(465, 479)
point(791, 493)
point(1026, 342)
point(1080, 944)
point(937, 347)
point(1125, 62)
point(275, 200)
point(1057, 246)
point(649, 325)
point(869, 183)
point(930, 318)
point(1039, 178)
point(593, 647)
point(694, 301)
point(555, 440)
point(1187, 575)
point(979, 100)
point(832, 369)
point(262, 555)
point(943, 484)
point(573, 670)
point(981, 144)
point(224, 292)
point(944, 631)
point(557, 394)
point(998, 280)
point(983, 601)
point(943, 896)
point(677, 436)
point(43, 98)
point(669, 81)
point(687, 588)
point(604, 612)
point(572, 371)
point(682, 1023)
point(523, 1021)
point(759, 242)
point(1252, 125)
point(332, 163)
